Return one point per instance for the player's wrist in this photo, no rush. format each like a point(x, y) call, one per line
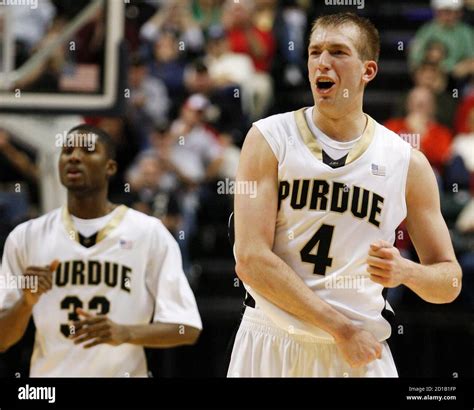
point(344, 332)
point(28, 301)
point(125, 334)
point(408, 273)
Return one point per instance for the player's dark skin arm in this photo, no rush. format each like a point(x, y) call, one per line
point(97, 330)
point(437, 279)
point(258, 266)
point(16, 318)
point(13, 323)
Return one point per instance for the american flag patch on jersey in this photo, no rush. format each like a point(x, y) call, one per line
point(124, 244)
point(378, 170)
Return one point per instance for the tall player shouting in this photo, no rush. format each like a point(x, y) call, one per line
point(110, 279)
point(314, 248)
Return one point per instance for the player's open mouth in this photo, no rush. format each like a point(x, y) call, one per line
point(324, 85)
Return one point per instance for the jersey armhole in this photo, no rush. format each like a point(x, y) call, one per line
point(270, 141)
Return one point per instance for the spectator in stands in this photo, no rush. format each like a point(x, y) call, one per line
point(264, 14)
point(18, 180)
point(225, 113)
point(447, 29)
point(169, 62)
point(45, 77)
point(206, 12)
point(90, 40)
point(154, 198)
point(127, 147)
point(419, 124)
point(149, 103)
point(198, 151)
point(228, 68)
point(29, 26)
point(463, 144)
point(290, 32)
point(175, 16)
point(245, 37)
point(458, 205)
point(164, 150)
point(461, 124)
point(432, 77)
point(198, 156)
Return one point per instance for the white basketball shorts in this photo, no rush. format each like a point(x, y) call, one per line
point(261, 349)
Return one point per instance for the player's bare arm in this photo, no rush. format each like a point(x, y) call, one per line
point(437, 279)
point(94, 330)
point(17, 317)
point(259, 267)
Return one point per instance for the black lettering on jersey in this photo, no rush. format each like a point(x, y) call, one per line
point(339, 191)
point(283, 191)
point(301, 202)
point(94, 272)
point(100, 302)
point(111, 275)
point(359, 209)
point(318, 196)
point(375, 209)
point(341, 198)
point(78, 273)
point(61, 275)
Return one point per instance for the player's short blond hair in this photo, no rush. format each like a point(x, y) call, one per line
point(367, 44)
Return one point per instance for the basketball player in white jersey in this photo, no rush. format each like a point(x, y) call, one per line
point(110, 279)
point(314, 247)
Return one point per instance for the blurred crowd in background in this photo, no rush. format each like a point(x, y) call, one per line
point(201, 71)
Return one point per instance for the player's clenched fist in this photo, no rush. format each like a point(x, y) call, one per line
point(360, 348)
point(97, 330)
point(44, 277)
point(385, 264)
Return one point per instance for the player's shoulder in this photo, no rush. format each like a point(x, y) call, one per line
point(146, 224)
point(32, 227)
point(276, 129)
point(276, 119)
point(392, 139)
point(142, 221)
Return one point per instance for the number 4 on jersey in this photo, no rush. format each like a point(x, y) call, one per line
point(321, 260)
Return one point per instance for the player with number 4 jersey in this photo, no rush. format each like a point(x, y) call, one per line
point(315, 246)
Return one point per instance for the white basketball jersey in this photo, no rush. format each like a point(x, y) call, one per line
point(328, 217)
point(133, 274)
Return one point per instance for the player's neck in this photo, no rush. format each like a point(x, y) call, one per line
point(343, 129)
point(89, 206)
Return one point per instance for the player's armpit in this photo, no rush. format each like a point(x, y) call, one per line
point(438, 278)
